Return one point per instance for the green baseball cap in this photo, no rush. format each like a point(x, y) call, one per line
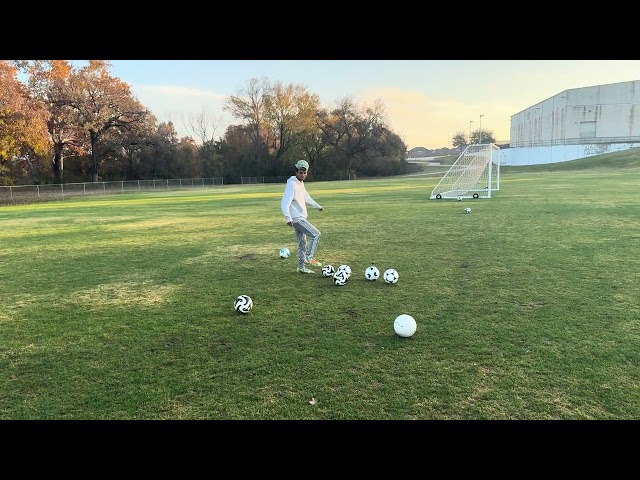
point(302, 164)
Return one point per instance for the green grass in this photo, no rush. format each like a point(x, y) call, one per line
point(121, 306)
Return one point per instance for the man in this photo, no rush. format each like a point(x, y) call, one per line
point(294, 208)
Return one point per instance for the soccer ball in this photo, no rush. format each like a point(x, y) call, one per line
point(391, 276)
point(346, 269)
point(405, 325)
point(459, 199)
point(340, 278)
point(372, 273)
point(243, 304)
point(467, 210)
point(328, 271)
point(285, 252)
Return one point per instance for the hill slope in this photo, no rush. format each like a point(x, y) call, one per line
point(626, 159)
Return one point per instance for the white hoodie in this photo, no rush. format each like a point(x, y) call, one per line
point(295, 200)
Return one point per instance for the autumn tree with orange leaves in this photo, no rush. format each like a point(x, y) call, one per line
point(91, 119)
point(101, 104)
point(23, 131)
point(290, 113)
point(49, 82)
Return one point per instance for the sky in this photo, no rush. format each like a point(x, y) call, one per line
point(426, 102)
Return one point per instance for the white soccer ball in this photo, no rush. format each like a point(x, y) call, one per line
point(328, 271)
point(459, 199)
point(243, 304)
point(285, 252)
point(340, 278)
point(467, 210)
point(405, 325)
point(372, 273)
point(390, 276)
point(346, 269)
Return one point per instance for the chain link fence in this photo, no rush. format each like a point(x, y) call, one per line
point(35, 193)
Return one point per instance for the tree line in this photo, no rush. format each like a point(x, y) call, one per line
point(66, 124)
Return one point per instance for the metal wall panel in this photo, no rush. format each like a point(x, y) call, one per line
point(564, 119)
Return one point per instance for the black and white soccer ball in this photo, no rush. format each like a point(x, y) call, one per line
point(372, 273)
point(467, 210)
point(391, 276)
point(340, 278)
point(328, 271)
point(346, 269)
point(243, 304)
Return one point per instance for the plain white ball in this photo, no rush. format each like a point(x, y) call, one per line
point(405, 325)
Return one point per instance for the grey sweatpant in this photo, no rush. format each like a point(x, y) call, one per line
point(303, 230)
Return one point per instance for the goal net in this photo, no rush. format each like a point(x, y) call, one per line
point(475, 174)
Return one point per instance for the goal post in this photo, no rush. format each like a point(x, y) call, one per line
point(475, 174)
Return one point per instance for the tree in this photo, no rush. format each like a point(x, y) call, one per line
point(103, 104)
point(49, 82)
point(386, 157)
point(350, 130)
point(129, 150)
point(187, 163)
point(236, 148)
point(204, 126)
point(248, 106)
point(163, 154)
point(459, 141)
point(290, 113)
point(23, 130)
point(487, 137)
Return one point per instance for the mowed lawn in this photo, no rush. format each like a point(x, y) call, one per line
point(121, 306)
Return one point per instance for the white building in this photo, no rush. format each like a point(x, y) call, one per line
point(576, 123)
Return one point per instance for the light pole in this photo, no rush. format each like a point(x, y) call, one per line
point(470, 122)
point(481, 128)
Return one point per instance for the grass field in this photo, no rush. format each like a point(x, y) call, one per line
point(121, 306)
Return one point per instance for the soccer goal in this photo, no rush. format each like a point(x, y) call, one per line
point(475, 174)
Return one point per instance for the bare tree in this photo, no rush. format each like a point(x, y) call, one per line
point(203, 125)
point(248, 106)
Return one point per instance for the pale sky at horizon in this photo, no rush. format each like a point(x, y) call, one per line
point(426, 101)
